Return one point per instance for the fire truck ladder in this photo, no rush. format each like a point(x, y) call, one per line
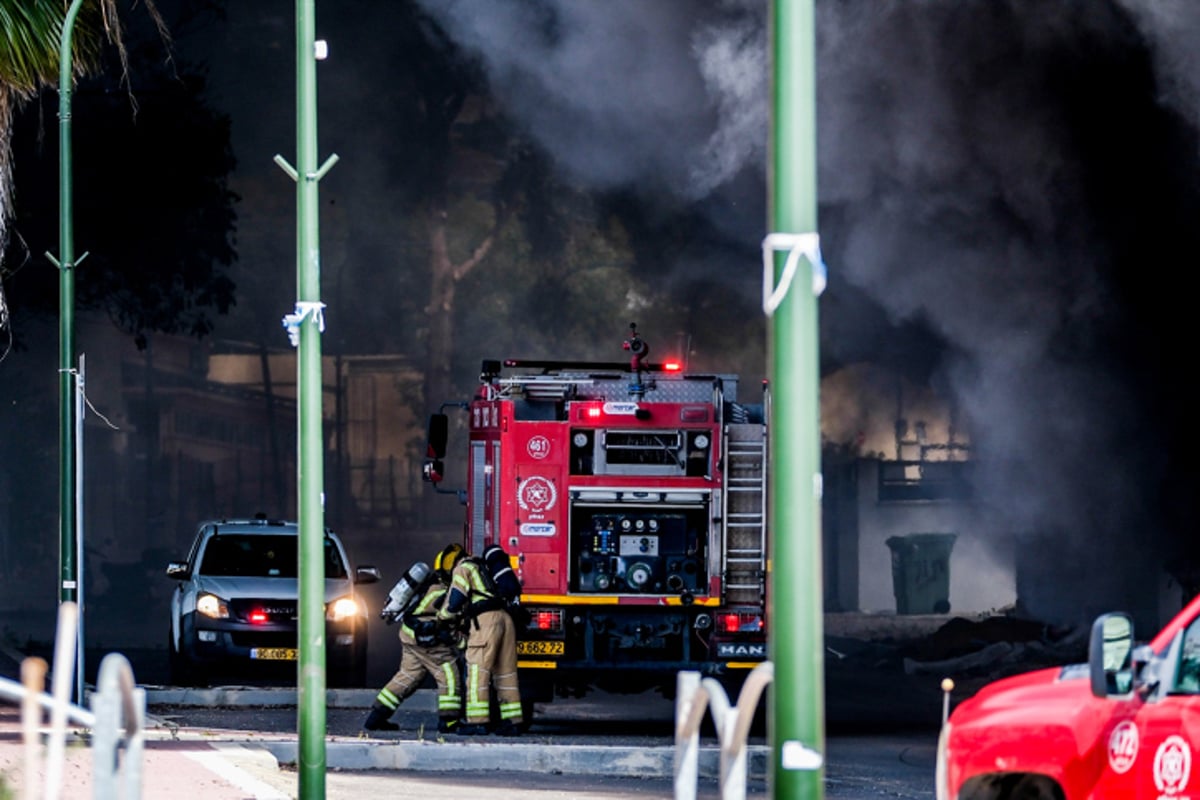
point(745, 512)
point(541, 387)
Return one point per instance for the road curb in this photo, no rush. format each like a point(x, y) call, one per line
point(436, 754)
point(270, 697)
point(639, 762)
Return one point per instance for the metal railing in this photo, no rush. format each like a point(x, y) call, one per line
point(694, 697)
point(116, 719)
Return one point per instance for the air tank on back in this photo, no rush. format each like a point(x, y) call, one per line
point(404, 592)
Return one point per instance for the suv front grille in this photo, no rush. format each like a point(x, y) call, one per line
point(276, 610)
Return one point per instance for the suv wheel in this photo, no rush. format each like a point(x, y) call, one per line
point(352, 677)
point(181, 671)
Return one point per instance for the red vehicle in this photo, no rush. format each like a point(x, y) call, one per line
point(1125, 725)
point(631, 498)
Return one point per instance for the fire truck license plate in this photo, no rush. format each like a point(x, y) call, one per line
point(540, 648)
point(274, 653)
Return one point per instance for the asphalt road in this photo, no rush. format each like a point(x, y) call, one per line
point(860, 695)
point(859, 766)
point(911, 779)
point(881, 728)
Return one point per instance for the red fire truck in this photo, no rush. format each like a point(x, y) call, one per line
point(631, 498)
point(1125, 725)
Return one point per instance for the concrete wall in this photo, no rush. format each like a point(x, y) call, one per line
point(982, 565)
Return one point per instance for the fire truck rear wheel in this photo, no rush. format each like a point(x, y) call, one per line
point(527, 713)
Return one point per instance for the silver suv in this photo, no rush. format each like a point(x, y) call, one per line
point(234, 610)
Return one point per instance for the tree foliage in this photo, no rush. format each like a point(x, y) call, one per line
point(511, 250)
point(31, 38)
point(151, 203)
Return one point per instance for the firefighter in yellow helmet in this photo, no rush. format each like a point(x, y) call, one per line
point(428, 648)
point(491, 650)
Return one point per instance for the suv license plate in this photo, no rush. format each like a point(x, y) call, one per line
point(274, 653)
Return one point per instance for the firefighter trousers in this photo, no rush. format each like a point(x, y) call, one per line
point(491, 663)
point(438, 660)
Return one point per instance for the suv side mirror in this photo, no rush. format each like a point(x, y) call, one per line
point(367, 574)
point(177, 570)
point(1110, 667)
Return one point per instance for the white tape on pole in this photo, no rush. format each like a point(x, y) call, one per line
point(797, 244)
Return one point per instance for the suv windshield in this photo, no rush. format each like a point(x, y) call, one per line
point(261, 556)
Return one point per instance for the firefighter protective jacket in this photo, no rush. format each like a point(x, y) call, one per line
point(469, 594)
point(420, 622)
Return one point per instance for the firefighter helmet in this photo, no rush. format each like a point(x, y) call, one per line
point(445, 561)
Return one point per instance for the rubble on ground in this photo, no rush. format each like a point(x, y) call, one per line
point(994, 647)
point(907, 667)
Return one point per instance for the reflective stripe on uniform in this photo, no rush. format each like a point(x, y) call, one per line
point(387, 699)
point(477, 705)
point(449, 701)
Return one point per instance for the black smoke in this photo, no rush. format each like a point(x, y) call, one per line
point(624, 92)
point(1015, 176)
point(1007, 196)
point(1006, 199)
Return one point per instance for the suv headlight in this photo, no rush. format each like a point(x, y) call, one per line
point(342, 608)
point(212, 606)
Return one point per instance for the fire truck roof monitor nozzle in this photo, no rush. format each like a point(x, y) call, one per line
point(636, 345)
point(489, 369)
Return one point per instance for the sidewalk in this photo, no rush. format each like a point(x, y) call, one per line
point(170, 765)
point(246, 765)
point(240, 743)
point(231, 758)
point(173, 761)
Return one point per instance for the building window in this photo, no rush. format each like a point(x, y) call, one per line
point(913, 481)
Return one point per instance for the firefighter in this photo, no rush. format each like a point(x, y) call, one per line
point(491, 650)
point(429, 648)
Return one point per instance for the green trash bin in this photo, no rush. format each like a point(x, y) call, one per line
point(921, 572)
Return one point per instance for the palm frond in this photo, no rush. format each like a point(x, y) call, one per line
point(30, 34)
point(30, 39)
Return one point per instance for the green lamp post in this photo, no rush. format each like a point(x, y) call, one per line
point(794, 278)
point(304, 326)
point(68, 567)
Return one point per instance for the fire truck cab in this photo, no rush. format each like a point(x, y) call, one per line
point(631, 498)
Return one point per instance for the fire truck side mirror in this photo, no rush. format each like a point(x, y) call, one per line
point(432, 471)
point(439, 425)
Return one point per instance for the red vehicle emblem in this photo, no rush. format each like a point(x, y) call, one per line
point(537, 495)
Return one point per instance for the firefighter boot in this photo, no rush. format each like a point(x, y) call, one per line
point(449, 725)
point(378, 720)
point(508, 728)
